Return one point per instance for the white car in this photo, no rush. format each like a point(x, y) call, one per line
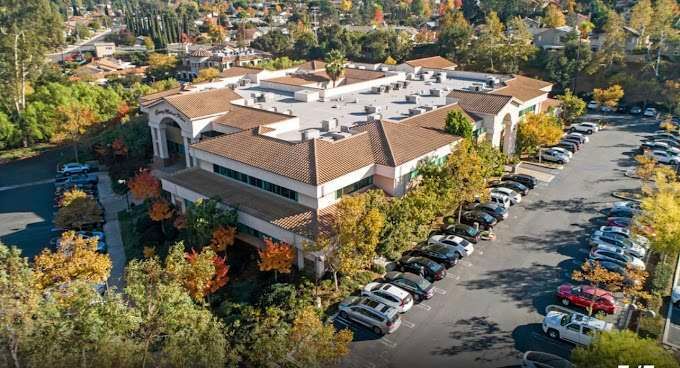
point(650, 112)
point(608, 253)
point(74, 168)
point(639, 239)
point(554, 156)
point(513, 196)
point(588, 128)
point(665, 157)
point(665, 135)
point(389, 295)
point(539, 359)
point(463, 247)
point(592, 105)
point(500, 199)
point(380, 318)
point(575, 327)
point(564, 151)
point(602, 239)
point(579, 136)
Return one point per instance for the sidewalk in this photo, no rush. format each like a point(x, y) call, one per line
point(113, 204)
point(671, 332)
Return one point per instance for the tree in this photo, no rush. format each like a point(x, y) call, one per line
point(335, 65)
point(148, 43)
point(76, 258)
point(631, 285)
point(144, 185)
point(358, 226)
point(553, 16)
point(455, 36)
point(390, 61)
point(202, 273)
point(378, 17)
point(537, 130)
point(314, 343)
point(498, 50)
point(69, 196)
point(203, 217)
point(216, 33)
point(223, 237)
point(76, 118)
point(277, 257)
point(160, 210)
point(274, 42)
point(661, 212)
point(305, 44)
point(80, 212)
point(346, 5)
point(612, 49)
point(571, 106)
point(27, 30)
point(458, 124)
point(641, 15)
point(489, 43)
point(161, 66)
point(609, 97)
point(206, 74)
point(646, 167)
point(622, 347)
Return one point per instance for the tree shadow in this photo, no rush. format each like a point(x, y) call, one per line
point(531, 337)
point(572, 205)
point(478, 334)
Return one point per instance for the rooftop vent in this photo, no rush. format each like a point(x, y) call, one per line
point(310, 134)
point(436, 92)
point(373, 117)
point(329, 125)
point(345, 128)
point(413, 99)
point(370, 109)
point(341, 135)
point(428, 107)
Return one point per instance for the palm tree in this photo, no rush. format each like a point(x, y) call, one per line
point(335, 65)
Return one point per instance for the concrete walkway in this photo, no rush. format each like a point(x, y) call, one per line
point(113, 203)
point(671, 333)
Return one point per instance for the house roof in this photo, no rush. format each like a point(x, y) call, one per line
point(318, 161)
point(203, 103)
point(548, 104)
point(312, 65)
point(244, 117)
point(238, 71)
point(434, 62)
point(436, 119)
point(202, 52)
point(480, 102)
point(154, 97)
point(523, 88)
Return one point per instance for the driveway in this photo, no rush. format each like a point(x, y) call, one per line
point(488, 310)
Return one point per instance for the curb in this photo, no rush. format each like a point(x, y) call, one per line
point(625, 198)
point(547, 166)
point(667, 326)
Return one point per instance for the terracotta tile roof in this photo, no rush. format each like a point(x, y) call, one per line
point(203, 103)
point(286, 214)
point(238, 71)
point(548, 104)
point(350, 76)
point(243, 117)
point(312, 65)
point(358, 74)
point(436, 119)
point(523, 88)
point(151, 98)
point(300, 80)
point(434, 62)
point(318, 161)
point(480, 102)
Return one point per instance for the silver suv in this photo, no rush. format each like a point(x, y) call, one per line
point(380, 318)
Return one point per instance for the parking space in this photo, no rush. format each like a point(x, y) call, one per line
point(489, 308)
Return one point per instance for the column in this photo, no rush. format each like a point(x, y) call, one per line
point(187, 157)
point(163, 143)
point(154, 141)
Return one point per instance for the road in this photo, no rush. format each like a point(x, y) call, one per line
point(26, 195)
point(59, 56)
point(489, 308)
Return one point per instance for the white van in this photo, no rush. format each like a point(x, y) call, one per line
point(500, 199)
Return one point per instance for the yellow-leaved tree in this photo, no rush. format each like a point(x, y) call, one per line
point(69, 196)
point(206, 74)
point(222, 237)
point(608, 97)
point(661, 212)
point(314, 343)
point(357, 228)
point(76, 258)
point(537, 130)
point(80, 212)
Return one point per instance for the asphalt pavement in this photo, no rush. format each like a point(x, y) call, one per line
point(489, 308)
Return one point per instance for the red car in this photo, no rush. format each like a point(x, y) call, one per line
point(582, 296)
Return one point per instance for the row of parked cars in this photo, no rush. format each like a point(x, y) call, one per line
point(80, 176)
point(663, 146)
point(649, 112)
point(571, 142)
point(381, 302)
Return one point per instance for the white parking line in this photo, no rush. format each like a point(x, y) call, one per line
point(389, 343)
point(450, 276)
point(439, 291)
point(407, 324)
point(481, 252)
point(424, 306)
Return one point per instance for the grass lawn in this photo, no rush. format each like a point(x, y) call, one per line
point(24, 153)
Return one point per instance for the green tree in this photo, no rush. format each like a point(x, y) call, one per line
point(455, 36)
point(641, 16)
point(458, 124)
point(622, 347)
point(274, 42)
point(536, 131)
point(553, 16)
point(335, 65)
point(489, 42)
point(571, 106)
point(161, 66)
point(203, 217)
point(304, 45)
point(613, 47)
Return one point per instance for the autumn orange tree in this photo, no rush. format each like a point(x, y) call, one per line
point(160, 210)
point(222, 237)
point(76, 258)
point(144, 185)
point(119, 147)
point(277, 257)
point(646, 166)
point(599, 277)
point(69, 196)
point(202, 273)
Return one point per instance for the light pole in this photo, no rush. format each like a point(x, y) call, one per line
point(127, 191)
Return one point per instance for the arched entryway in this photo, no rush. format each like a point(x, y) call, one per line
point(505, 144)
point(173, 139)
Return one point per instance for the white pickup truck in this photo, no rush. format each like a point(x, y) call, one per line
point(574, 327)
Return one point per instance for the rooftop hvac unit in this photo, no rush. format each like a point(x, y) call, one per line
point(288, 112)
point(345, 128)
point(436, 92)
point(492, 82)
point(415, 111)
point(232, 86)
point(373, 117)
point(248, 102)
point(413, 99)
point(375, 89)
point(410, 76)
point(310, 134)
point(384, 69)
point(341, 135)
point(273, 108)
point(243, 82)
point(268, 97)
point(428, 107)
point(329, 125)
point(370, 109)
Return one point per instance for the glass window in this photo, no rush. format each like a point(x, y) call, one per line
point(256, 182)
point(354, 187)
point(574, 327)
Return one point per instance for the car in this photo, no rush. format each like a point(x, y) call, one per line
point(607, 109)
point(636, 110)
point(466, 232)
point(461, 247)
point(380, 318)
point(575, 141)
point(639, 239)
point(661, 146)
point(500, 199)
point(581, 137)
point(554, 156)
point(76, 179)
point(617, 268)
point(662, 134)
point(513, 185)
point(563, 150)
point(586, 127)
point(675, 296)
point(574, 327)
point(650, 112)
point(481, 218)
point(615, 255)
point(617, 240)
point(442, 254)
point(586, 296)
point(74, 168)
point(524, 179)
point(538, 359)
point(570, 146)
point(389, 294)
point(499, 212)
point(425, 267)
point(513, 196)
point(592, 105)
point(665, 157)
point(622, 212)
point(672, 133)
point(418, 286)
point(671, 143)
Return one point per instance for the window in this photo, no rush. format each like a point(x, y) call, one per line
point(574, 327)
point(253, 181)
point(354, 187)
point(526, 111)
point(245, 229)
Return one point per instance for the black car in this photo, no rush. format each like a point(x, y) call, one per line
point(79, 179)
point(466, 232)
point(524, 179)
point(418, 286)
point(499, 212)
point(569, 145)
point(482, 218)
point(573, 140)
point(621, 212)
point(426, 267)
point(440, 253)
point(517, 187)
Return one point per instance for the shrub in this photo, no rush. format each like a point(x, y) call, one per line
point(650, 327)
point(662, 277)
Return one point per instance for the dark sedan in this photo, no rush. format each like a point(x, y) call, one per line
point(482, 218)
point(571, 146)
point(524, 179)
point(440, 253)
point(517, 187)
point(575, 141)
point(425, 267)
point(499, 212)
point(466, 232)
point(419, 287)
point(621, 212)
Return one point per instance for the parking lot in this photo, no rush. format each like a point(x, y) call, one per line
point(488, 309)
